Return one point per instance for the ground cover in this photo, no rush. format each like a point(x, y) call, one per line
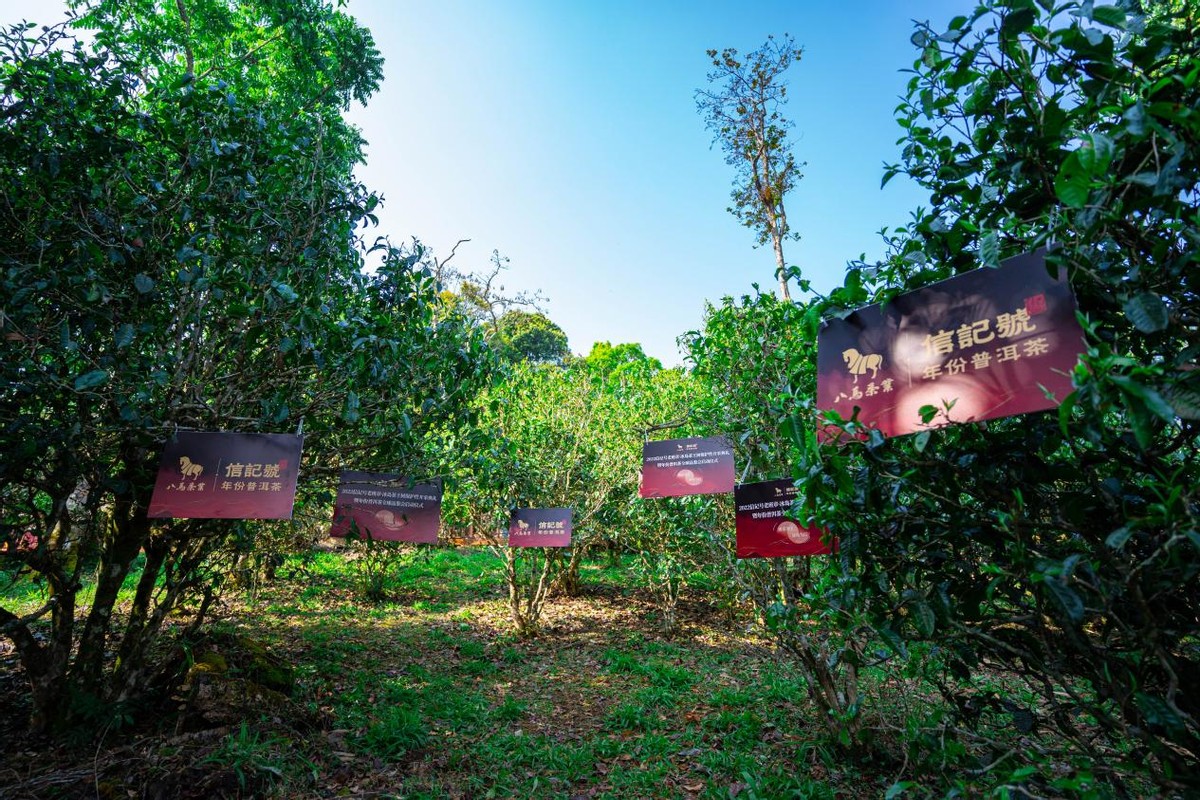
point(300, 688)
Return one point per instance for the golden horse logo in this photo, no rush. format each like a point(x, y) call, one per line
point(522, 524)
point(189, 468)
point(858, 363)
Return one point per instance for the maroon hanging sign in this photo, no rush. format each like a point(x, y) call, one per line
point(763, 529)
point(215, 475)
point(385, 507)
point(682, 467)
point(540, 527)
point(982, 345)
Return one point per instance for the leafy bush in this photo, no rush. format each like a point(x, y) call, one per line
point(181, 251)
point(1061, 548)
point(756, 356)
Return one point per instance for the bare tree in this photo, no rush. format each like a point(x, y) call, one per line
point(488, 299)
point(478, 294)
point(742, 109)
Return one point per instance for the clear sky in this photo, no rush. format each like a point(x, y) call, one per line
point(564, 134)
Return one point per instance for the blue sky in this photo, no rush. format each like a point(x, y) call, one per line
point(565, 135)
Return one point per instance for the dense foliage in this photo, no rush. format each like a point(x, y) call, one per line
point(180, 249)
point(530, 336)
point(1060, 548)
point(181, 246)
point(756, 355)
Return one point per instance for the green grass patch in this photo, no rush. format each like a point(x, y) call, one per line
point(24, 593)
point(433, 684)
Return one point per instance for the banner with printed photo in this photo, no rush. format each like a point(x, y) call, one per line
point(540, 527)
point(683, 467)
point(763, 530)
point(216, 475)
point(385, 507)
point(988, 343)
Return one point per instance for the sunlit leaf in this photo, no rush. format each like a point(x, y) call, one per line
point(1072, 184)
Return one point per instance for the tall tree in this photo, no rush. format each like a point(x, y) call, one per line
point(530, 336)
point(743, 109)
point(609, 361)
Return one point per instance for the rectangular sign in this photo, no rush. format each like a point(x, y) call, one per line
point(682, 467)
point(215, 475)
point(988, 343)
point(763, 530)
point(385, 507)
point(540, 527)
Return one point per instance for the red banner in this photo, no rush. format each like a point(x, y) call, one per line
point(682, 467)
point(763, 529)
point(540, 527)
point(985, 344)
point(386, 508)
point(212, 475)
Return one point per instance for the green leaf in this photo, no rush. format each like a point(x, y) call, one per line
point(1067, 598)
point(1095, 155)
point(186, 253)
point(91, 379)
point(1141, 422)
point(791, 429)
point(897, 789)
point(893, 640)
point(1018, 21)
point(1117, 539)
point(1022, 773)
point(1147, 395)
point(1147, 179)
point(1188, 355)
point(143, 283)
point(1194, 538)
point(1072, 184)
point(350, 414)
point(921, 441)
point(1147, 312)
point(1109, 15)
point(923, 618)
point(124, 336)
point(1159, 713)
point(1135, 119)
point(1185, 400)
point(287, 292)
point(989, 250)
point(927, 414)
point(1065, 410)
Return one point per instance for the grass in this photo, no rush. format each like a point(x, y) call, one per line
point(428, 694)
point(24, 595)
point(258, 761)
point(435, 688)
